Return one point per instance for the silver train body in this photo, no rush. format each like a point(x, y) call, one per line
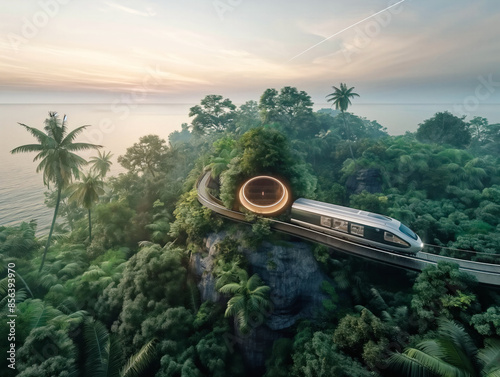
point(357, 226)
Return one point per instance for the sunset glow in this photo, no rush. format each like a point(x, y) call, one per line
point(184, 49)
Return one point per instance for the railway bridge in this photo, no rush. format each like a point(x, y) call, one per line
point(486, 273)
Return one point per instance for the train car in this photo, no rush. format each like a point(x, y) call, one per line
point(357, 226)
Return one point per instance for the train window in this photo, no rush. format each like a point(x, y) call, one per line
point(394, 239)
point(340, 225)
point(326, 221)
point(408, 231)
point(358, 230)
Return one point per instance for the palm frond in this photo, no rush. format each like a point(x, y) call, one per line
point(115, 357)
point(138, 362)
point(414, 363)
point(68, 139)
point(490, 358)
point(230, 288)
point(408, 366)
point(28, 148)
point(457, 334)
point(97, 348)
point(39, 135)
point(42, 313)
point(82, 147)
point(235, 305)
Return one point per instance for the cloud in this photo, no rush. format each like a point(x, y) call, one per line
point(149, 11)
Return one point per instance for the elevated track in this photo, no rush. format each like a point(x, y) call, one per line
point(486, 273)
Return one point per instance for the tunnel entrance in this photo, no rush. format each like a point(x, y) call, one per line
point(264, 195)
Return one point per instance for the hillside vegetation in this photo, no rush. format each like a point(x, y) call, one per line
point(116, 294)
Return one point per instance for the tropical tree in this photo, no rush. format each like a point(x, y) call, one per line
point(215, 114)
point(101, 164)
point(290, 108)
point(58, 161)
point(445, 128)
point(453, 353)
point(86, 193)
point(104, 353)
point(144, 156)
point(249, 302)
point(341, 98)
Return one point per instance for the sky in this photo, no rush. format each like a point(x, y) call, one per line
point(410, 51)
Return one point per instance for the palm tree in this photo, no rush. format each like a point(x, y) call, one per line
point(104, 353)
point(86, 193)
point(452, 354)
point(341, 98)
point(220, 163)
point(57, 160)
point(250, 299)
point(101, 164)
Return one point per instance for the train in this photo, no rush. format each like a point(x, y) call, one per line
point(362, 227)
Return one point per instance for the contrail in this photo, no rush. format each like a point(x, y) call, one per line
point(347, 28)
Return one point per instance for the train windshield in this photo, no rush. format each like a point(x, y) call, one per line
point(403, 228)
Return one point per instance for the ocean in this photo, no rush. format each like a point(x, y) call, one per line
point(22, 189)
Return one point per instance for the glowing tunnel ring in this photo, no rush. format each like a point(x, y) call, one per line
point(264, 195)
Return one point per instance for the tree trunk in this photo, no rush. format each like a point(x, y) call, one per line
point(90, 228)
point(59, 189)
point(348, 134)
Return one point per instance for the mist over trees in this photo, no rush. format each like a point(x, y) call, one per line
point(125, 282)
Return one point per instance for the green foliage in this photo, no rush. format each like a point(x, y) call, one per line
point(450, 196)
point(86, 193)
point(247, 117)
point(214, 115)
point(58, 161)
point(261, 230)
point(321, 254)
point(106, 270)
point(376, 203)
point(487, 323)
point(150, 288)
point(70, 211)
point(193, 221)
point(354, 332)
point(103, 356)
point(249, 301)
point(290, 109)
point(144, 156)
point(18, 241)
point(277, 365)
point(113, 225)
point(444, 128)
point(442, 290)
point(329, 304)
point(55, 151)
point(317, 355)
point(452, 353)
point(101, 164)
point(48, 350)
point(266, 151)
point(341, 97)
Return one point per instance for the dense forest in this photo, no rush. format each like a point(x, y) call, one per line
point(136, 278)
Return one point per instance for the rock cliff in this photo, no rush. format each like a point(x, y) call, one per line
point(295, 279)
point(365, 180)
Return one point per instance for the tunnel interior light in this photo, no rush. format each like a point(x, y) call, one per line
point(264, 195)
